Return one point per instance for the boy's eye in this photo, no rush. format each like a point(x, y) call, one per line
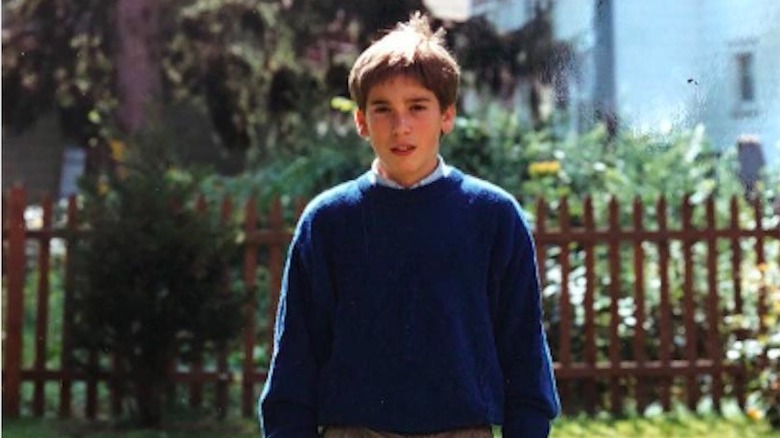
point(381, 109)
point(418, 108)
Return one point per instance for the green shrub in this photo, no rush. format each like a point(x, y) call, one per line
point(151, 271)
point(755, 339)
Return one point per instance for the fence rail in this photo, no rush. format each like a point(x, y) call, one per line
point(636, 313)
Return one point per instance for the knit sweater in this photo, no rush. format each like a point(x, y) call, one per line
point(410, 311)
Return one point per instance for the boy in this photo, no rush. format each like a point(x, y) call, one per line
point(410, 304)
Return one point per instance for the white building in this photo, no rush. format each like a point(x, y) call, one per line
point(506, 15)
point(666, 64)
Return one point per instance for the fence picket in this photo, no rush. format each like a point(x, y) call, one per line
point(250, 267)
point(591, 400)
point(221, 398)
point(639, 304)
point(66, 355)
point(761, 265)
point(12, 348)
point(275, 265)
point(614, 296)
point(541, 250)
point(42, 314)
point(692, 388)
point(736, 269)
point(713, 313)
point(665, 309)
point(565, 300)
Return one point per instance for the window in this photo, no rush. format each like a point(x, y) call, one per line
point(745, 77)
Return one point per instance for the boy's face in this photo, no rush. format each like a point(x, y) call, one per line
point(403, 121)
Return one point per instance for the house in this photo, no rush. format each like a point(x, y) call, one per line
point(662, 65)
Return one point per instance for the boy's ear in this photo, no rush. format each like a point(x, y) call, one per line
point(360, 123)
point(448, 119)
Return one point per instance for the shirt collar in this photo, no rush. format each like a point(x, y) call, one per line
point(440, 171)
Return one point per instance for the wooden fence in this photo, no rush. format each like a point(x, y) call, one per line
point(673, 348)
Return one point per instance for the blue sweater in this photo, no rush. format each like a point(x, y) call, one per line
point(410, 311)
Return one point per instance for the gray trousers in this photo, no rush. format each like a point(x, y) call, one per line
point(359, 432)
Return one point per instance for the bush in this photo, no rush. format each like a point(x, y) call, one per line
point(151, 271)
point(320, 151)
point(755, 341)
point(554, 163)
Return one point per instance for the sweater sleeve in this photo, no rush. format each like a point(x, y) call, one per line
point(531, 398)
point(288, 402)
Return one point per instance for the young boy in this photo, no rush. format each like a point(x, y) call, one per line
point(410, 304)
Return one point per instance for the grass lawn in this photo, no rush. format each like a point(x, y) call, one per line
point(668, 426)
point(30, 428)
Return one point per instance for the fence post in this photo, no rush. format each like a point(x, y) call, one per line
point(614, 290)
point(692, 390)
point(665, 307)
point(275, 266)
point(565, 330)
point(66, 353)
point(12, 351)
point(736, 284)
point(590, 352)
point(640, 336)
point(42, 314)
point(250, 266)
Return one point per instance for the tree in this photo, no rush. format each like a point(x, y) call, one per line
point(139, 73)
point(57, 54)
point(151, 273)
point(101, 64)
point(499, 61)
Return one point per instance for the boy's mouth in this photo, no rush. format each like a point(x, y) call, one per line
point(403, 149)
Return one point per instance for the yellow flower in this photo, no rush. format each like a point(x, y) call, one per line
point(343, 104)
point(754, 414)
point(541, 168)
point(102, 187)
point(117, 150)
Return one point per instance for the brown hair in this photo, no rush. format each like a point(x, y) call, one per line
point(412, 49)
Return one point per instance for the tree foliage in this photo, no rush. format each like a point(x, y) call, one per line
point(255, 69)
point(243, 62)
point(57, 54)
point(497, 62)
point(151, 272)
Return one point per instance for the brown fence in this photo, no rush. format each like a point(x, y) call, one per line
point(636, 313)
point(688, 330)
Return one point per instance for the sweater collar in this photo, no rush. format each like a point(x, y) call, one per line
point(440, 186)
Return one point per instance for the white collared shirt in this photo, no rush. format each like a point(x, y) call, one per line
point(441, 170)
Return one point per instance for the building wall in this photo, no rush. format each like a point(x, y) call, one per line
point(573, 21)
point(675, 65)
point(506, 15)
point(753, 27)
point(457, 10)
point(656, 45)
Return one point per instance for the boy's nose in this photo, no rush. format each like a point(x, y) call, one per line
point(400, 125)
